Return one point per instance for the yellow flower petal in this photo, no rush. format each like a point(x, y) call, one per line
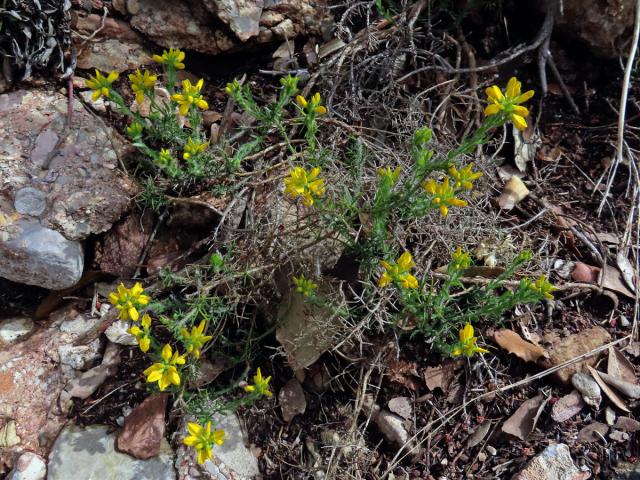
point(492, 109)
point(519, 122)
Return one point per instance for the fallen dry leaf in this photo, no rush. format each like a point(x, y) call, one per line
point(514, 191)
point(404, 373)
point(631, 390)
point(593, 432)
point(627, 424)
point(612, 280)
point(292, 400)
point(617, 401)
point(567, 407)
point(522, 422)
point(8, 435)
point(627, 270)
point(440, 376)
point(618, 366)
point(514, 343)
point(478, 434)
point(144, 428)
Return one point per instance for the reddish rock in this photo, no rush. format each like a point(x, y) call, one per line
point(123, 245)
point(144, 428)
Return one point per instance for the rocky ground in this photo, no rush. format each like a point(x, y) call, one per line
point(73, 402)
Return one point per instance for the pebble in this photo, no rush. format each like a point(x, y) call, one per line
point(491, 451)
point(13, 329)
point(30, 201)
point(588, 387)
point(28, 467)
point(554, 463)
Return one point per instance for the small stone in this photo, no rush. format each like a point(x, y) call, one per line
point(144, 428)
point(482, 457)
point(627, 424)
point(118, 333)
point(89, 453)
point(133, 7)
point(491, 451)
point(618, 436)
point(79, 357)
point(567, 407)
point(610, 416)
point(292, 400)
point(42, 257)
point(584, 273)
point(119, 6)
point(554, 463)
point(30, 201)
point(28, 467)
point(588, 387)
point(400, 406)
point(13, 329)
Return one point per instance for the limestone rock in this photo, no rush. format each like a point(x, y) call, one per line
point(242, 16)
point(554, 463)
point(13, 329)
point(89, 453)
point(29, 467)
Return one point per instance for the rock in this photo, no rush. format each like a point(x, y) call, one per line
point(554, 463)
point(233, 453)
point(37, 255)
point(144, 428)
point(83, 386)
point(193, 24)
point(75, 168)
point(584, 273)
point(118, 333)
point(30, 201)
point(242, 16)
point(292, 400)
point(133, 7)
point(31, 380)
point(13, 329)
point(122, 246)
point(79, 325)
point(28, 467)
point(564, 349)
point(400, 406)
point(618, 436)
point(89, 453)
point(588, 388)
point(602, 26)
point(116, 46)
point(120, 6)
point(79, 357)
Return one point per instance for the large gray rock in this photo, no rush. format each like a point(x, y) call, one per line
point(37, 255)
point(58, 184)
point(89, 453)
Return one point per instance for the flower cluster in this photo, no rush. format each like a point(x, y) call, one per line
point(172, 59)
point(508, 103)
point(193, 148)
point(189, 96)
point(142, 84)
point(202, 439)
point(165, 372)
point(464, 177)
point(304, 286)
point(313, 106)
point(196, 339)
point(129, 300)
point(460, 260)
point(443, 195)
point(542, 287)
point(143, 335)
point(101, 85)
point(467, 344)
point(260, 385)
point(398, 272)
point(307, 185)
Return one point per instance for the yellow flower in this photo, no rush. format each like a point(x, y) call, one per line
point(165, 372)
point(141, 84)
point(443, 195)
point(143, 334)
point(100, 84)
point(399, 272)
point(233, 87)
point(304, 286)
point(313, 106)
point(194, 341)
point(164, 158)
point(202, 440)
point(509, 102)
point(193, 148)
point(172, 58)
point(467, 344)
point(260, 385)
point(299, 183)
point(460, 260)
point(129, 300)
point(389, 175)
point(135, 130)
point(190, 96)
point(543, 287)
point(464, 177)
